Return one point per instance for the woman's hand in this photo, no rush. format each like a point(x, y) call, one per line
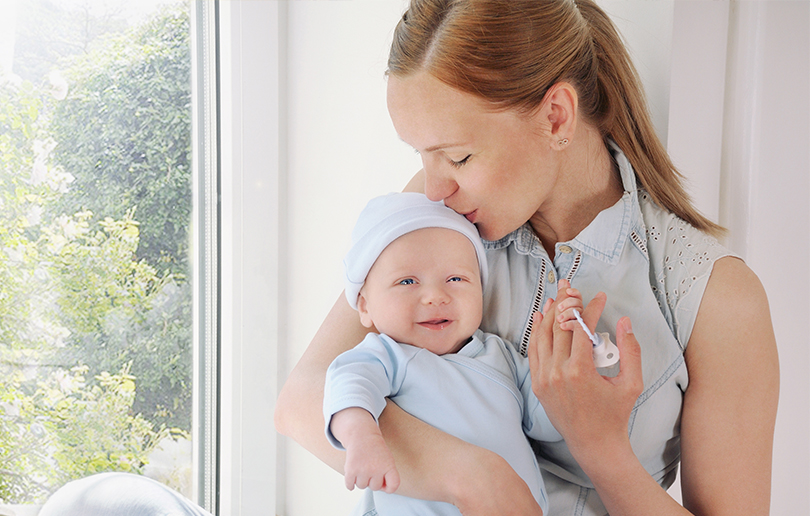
point(590, 411)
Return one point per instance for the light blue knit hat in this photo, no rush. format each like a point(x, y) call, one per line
point(388, 217)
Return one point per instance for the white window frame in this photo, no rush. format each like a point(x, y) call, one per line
point(205, 253)
point(252, 157)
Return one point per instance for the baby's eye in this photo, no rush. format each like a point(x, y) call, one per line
point(456, 278)
point(407, 281)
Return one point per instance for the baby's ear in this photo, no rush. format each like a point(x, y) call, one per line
point(362, 309)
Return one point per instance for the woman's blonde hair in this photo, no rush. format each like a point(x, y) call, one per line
point(510, 52)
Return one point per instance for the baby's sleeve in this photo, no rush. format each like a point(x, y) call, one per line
point(362, 377)
point(536, 423)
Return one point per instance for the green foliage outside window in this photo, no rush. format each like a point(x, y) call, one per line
point(95, 306)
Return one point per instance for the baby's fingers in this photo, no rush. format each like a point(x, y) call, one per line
point(391, 482)
point(376, 482)
point(565, 312)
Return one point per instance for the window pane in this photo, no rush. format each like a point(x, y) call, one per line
point(95, 210)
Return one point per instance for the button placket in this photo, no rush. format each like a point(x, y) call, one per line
point(565, 262)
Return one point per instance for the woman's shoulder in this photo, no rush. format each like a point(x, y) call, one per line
point(666, 232)
point(682, 258)
point(674, 246)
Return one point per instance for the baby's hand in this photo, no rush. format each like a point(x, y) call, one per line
point(369, 463)
point(565, 309)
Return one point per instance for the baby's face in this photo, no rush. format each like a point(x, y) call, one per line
point(425, 290)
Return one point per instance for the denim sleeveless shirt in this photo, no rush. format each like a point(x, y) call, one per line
point(654, 268)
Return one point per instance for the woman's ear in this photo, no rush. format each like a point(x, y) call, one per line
point(558, 114)
point(362, 309)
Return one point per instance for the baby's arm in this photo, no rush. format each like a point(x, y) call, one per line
point(369, 462)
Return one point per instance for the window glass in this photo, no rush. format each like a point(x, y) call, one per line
point(95, 210)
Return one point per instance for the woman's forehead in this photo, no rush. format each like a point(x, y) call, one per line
point(430, 115)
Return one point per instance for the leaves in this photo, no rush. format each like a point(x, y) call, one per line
point(133, 96)
point(95, 326)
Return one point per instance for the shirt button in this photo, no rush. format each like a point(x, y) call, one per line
point(551, 276)
point(565, 249)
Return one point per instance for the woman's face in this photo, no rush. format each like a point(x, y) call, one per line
point(494, 167)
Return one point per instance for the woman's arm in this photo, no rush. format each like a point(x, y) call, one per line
point(729, 408)
point(728, 415)
point(433, 465)
point(299, 408)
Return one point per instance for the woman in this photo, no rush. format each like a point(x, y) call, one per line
point(531, 122)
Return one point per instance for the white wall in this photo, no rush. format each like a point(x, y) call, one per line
point(739, 130)
point(728, 83)
point(342, 151)
point(765, 178)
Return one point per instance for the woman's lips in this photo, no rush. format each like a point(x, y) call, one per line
point(435, 324)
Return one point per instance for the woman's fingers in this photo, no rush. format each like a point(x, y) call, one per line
point(582, 347)
point(549, 343)
point(557, 340)
point(561, 338)
point(630, 373)
point(594, 310)
point(567, 308)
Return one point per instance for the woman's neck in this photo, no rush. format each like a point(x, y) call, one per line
point(589, 183)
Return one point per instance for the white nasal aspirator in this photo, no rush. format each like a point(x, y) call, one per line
point(605, 352)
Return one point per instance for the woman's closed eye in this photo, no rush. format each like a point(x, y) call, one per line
point(461, 163)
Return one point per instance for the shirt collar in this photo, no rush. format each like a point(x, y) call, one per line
point(605, 236)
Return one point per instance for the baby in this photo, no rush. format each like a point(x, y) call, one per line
point(415, 272)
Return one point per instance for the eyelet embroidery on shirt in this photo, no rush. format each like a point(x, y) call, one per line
point(538, 298)
point(684, 250)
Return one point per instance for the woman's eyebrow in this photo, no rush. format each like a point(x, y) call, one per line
point(433, 148)
point(442, 146)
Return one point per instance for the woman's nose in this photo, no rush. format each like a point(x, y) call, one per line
point(438, 186)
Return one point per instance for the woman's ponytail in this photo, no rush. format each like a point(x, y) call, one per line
point(620, 112)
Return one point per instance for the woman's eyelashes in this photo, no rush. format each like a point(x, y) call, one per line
point(461, 163)
point(455, 163)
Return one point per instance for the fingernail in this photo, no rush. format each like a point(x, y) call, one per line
point(628, 328)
